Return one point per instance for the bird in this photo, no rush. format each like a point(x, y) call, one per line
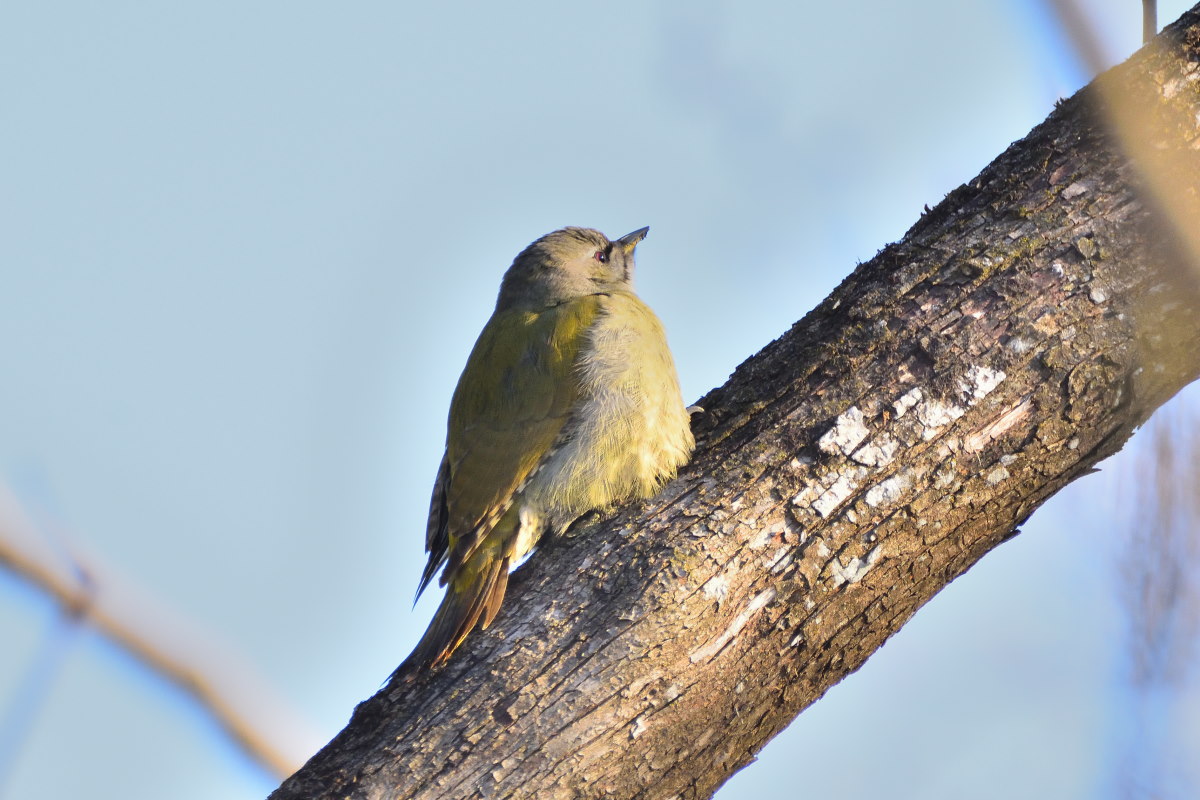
point(569, 404)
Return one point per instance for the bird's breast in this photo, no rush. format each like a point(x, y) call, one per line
point(629, 431)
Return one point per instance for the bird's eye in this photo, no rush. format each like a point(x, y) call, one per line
point(601, 256)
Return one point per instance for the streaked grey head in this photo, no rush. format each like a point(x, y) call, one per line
point(568, 264)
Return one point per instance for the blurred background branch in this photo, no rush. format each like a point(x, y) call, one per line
point(1158, 564)
point(1079, 31)
point(90, 592)
point(1158, 586)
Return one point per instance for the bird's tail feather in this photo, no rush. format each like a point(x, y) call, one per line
point(465, 605)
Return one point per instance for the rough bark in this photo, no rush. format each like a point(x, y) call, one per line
point(1016, 336)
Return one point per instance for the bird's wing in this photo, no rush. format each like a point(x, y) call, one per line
point(512, 403)
point(437, 534)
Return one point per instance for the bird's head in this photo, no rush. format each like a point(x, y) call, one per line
point(566, 265)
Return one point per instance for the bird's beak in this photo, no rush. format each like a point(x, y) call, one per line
point(630, 240)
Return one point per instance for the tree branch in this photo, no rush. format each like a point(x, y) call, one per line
point(89, 591)
point(1016, 336)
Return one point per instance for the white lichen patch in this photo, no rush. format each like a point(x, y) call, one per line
point(638, 727)
point(762, 537)
point(997, 475)
point(1019, 346)
point(934, 414)
point(715, 645)
point(847, 433)
point(842, 488)
point(907, 400)
point(877, 453)
point(717, 587)
point(945, 478)
point(857, 568)
point(888, 491)
point(1175, 84)
point(979, 382)
point(805, 496)
point(1097, 295)
point(1075, 189)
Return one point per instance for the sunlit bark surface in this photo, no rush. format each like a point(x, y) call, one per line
point(1016, 336)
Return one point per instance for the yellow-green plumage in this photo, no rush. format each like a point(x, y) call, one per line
point(569, 402)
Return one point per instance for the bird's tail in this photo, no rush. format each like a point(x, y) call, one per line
point(469, 601)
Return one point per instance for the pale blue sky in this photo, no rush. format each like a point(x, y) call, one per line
point(246, 247)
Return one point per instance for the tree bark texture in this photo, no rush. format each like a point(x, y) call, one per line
point(1016, 336)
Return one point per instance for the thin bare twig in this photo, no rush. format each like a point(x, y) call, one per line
point(1081, 34)
point(269, 731)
